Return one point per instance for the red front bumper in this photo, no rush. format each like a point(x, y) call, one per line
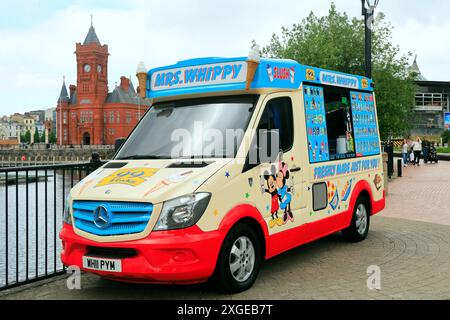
point(179, 256)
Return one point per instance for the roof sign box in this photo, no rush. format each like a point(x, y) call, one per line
point(205, 75)
point(196, 76)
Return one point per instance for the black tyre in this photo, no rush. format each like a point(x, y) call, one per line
point(359, 227)
point(239, 260)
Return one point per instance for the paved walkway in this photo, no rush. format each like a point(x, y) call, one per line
point(413, 256)
point(423, 194)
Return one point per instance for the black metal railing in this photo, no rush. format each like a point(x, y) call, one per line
point(32, 201)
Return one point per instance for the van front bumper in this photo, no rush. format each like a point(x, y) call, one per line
point(178, 256)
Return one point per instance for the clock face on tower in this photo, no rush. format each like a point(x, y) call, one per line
point(87, 68)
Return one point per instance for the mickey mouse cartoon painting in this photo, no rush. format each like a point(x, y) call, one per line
point(271, 180)
point(280, 193)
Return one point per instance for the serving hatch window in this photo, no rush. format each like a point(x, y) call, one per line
point(340, 124)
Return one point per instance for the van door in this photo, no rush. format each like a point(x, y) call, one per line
point(280, 171)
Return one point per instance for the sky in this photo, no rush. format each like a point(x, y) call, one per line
point(37, 38)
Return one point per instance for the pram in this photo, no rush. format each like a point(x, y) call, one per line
point(432, 155)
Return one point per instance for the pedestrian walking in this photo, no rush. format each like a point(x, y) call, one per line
point(405, 152)
point(417, 149)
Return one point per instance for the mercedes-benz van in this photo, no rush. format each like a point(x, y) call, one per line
point(237, 161)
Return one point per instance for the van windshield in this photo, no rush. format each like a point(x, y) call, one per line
point(195, 128)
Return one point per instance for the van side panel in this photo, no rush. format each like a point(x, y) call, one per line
point(284, 241)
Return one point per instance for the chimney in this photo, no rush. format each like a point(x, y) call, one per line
point(124, 83)
point(72, 89)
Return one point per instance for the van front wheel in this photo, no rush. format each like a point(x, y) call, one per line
point(239, 260)
point(359, 227)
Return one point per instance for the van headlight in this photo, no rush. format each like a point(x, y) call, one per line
point(182, 212)
point(66, 215)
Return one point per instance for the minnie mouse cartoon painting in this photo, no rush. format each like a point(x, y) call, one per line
point(284, 193)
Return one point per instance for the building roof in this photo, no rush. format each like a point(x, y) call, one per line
point(63, 96)
point(91, 37)
point(119, 95)
point(74, 98)
point(415, 69)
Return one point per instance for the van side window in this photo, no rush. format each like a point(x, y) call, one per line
point(365, 124)
point(316, 124)
point(339, 123)
point(278, 116)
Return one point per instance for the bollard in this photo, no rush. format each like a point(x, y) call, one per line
point(399, 168)
point(385, 172)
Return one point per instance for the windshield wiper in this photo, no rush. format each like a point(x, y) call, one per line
point(142, 157)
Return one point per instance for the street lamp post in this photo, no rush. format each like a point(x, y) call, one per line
point(368, 13)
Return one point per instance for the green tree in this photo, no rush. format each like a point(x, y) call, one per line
point(37, 137)
point(26, 137)
point(446, 136)
point(52, 137)
point(336, 42)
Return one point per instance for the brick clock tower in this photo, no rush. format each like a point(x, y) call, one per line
point(92, 84)
point(91, 115)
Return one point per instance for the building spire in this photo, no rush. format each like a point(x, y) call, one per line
point(63, 96)
point(92, 35)
point(416, 70)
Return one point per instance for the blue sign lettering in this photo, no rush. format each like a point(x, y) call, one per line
point(201, 74)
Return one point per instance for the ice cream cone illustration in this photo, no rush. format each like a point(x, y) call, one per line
point(141, 74)
point(252, 65)
point(270, 72)
point(292, 74)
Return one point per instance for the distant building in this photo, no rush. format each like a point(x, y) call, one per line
point(17, 117)
point(4, 130)
point(9, 131)
point(29, 124)
point(39, 127)
point(39, 115)
point(432, 101)
point(50, 120)
point(88, 113)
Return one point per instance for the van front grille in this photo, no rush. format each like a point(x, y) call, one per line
point(118, 218)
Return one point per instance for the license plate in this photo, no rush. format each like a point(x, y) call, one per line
point(100, 264)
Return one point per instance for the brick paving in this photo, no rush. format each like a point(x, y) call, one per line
point(413, 256)
point(422, 194)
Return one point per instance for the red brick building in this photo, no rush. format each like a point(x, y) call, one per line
point(88, 114)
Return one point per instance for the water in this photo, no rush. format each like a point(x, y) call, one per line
point(49, 212)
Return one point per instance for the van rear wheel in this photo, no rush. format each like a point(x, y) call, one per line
point(359, 227)
point(239, 260)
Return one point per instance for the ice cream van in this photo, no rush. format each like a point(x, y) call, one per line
point(237, 161)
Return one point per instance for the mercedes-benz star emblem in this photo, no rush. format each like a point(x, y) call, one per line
point(101, 217)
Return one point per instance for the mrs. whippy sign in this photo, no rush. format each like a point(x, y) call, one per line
point(201, 75)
